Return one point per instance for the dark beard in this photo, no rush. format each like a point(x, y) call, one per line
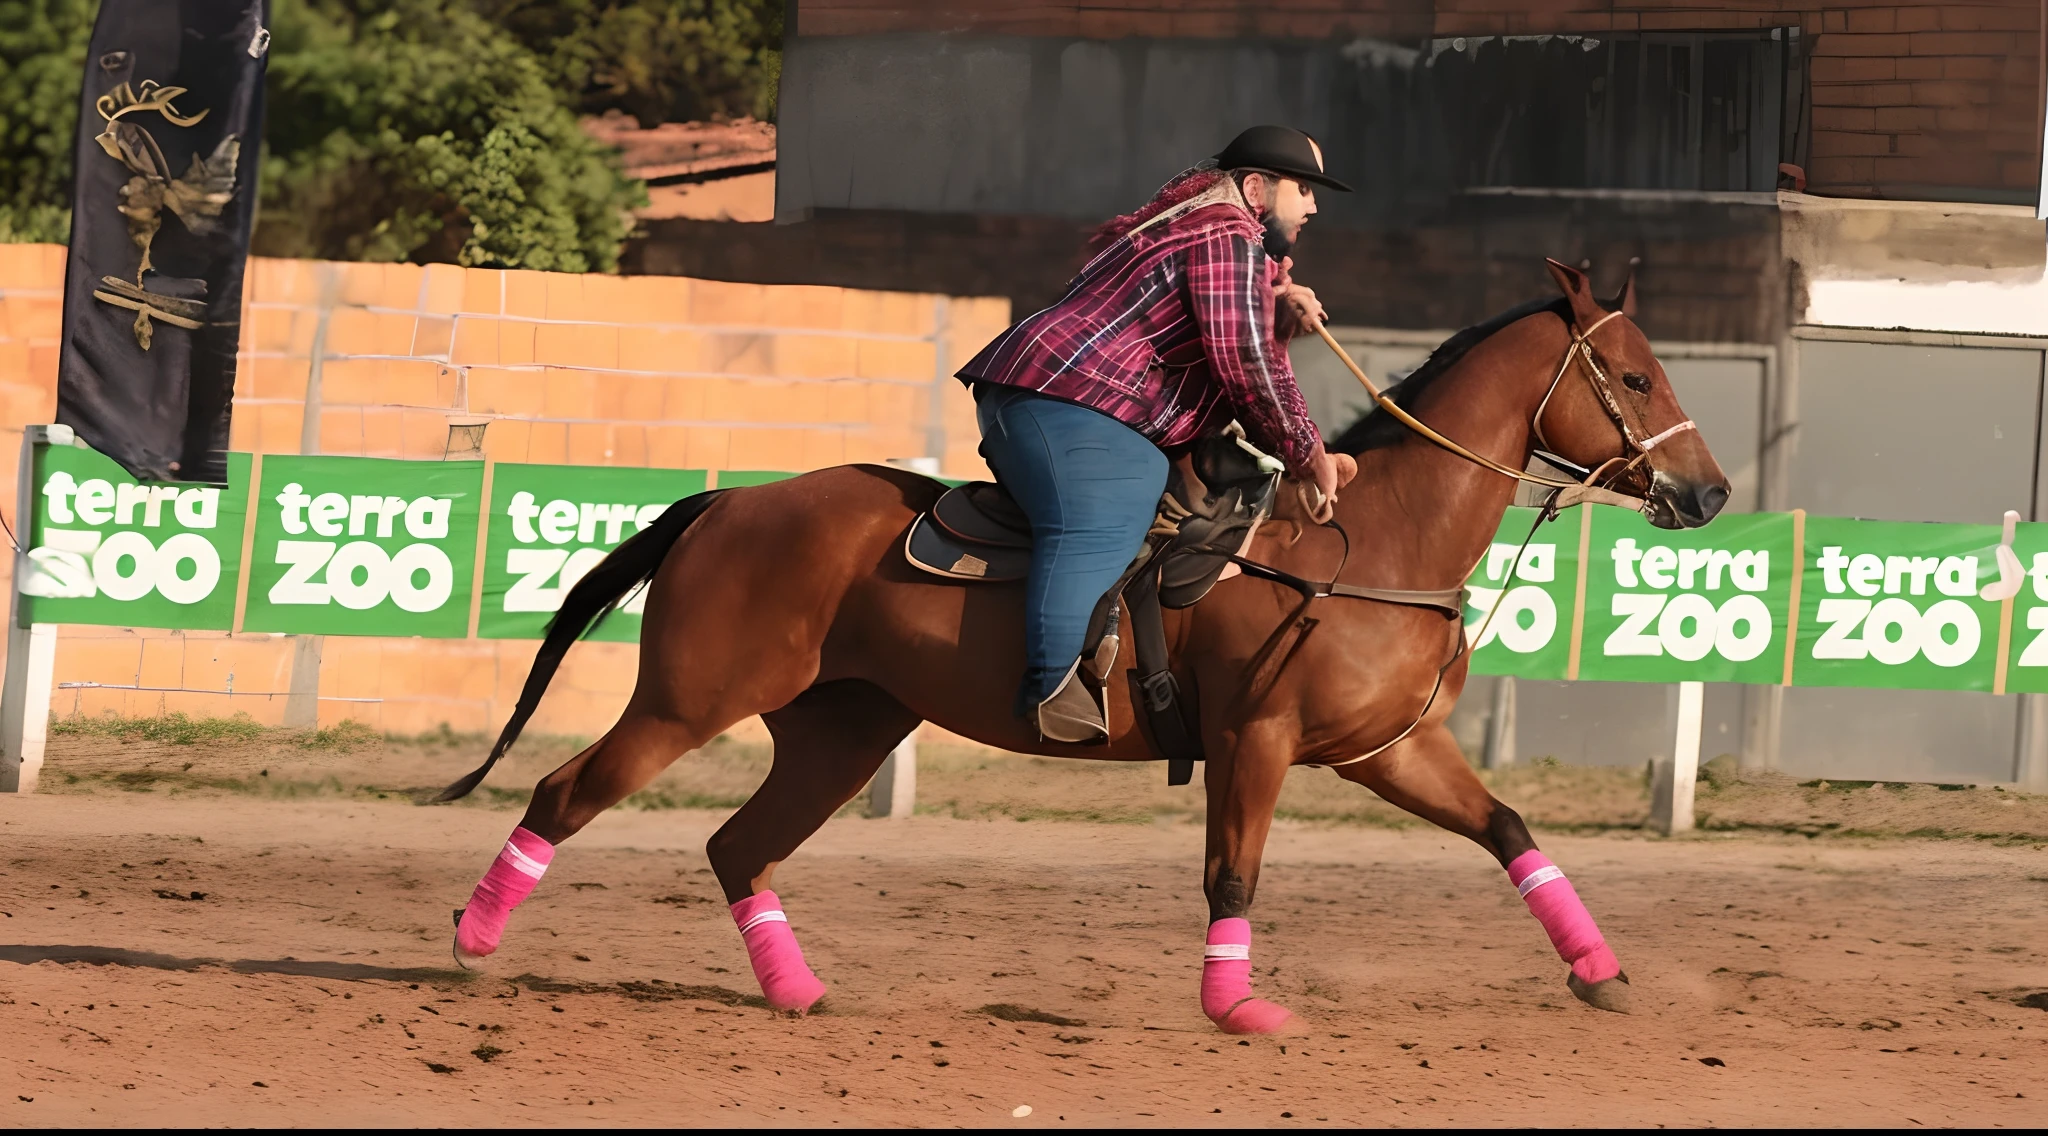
point(1276, 242)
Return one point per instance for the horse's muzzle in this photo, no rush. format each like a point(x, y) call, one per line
point(1677, 504)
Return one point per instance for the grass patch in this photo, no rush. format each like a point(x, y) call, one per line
point(342, 736)
point(168, 729)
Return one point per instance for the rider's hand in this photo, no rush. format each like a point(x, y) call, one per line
point(1301, 297)
point(1328, 475)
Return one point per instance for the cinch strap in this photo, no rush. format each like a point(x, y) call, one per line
point(527, 865)
point(1235, 952)
point(764, 917)
point(1538, 878)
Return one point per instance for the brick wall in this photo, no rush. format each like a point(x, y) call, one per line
point(1909, 99)
point(590, 370)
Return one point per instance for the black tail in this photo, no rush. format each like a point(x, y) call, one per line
point(632, 563)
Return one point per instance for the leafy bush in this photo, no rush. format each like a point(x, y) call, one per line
point(422, 130)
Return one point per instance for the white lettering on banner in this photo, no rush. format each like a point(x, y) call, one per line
point(426, 518)
point(1738, 630)
point(1690, 568)
point(1868, 574)
point(125, 566)
point(2036, 654)
point(1507, 625)
point(534, 567)
point(360, 575)
point(1894, 631)
point(543, 576)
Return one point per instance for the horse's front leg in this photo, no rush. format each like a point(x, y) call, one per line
point(1426, 774)
point(1243, 789)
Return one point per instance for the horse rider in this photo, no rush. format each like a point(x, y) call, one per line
point(1167, 334)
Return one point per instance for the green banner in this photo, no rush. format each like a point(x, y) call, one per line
point(105, 549)
point(2027, 663)
point(364, 546)
point(1888, 604)
point(1698, 605)
point(1530, 634)
point(552, 523)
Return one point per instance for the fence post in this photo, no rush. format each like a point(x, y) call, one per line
point(2031, 770)
point(1500, 726)
point(1673, 778)
point(893, 793)
point(32, 649)
point(302, 703)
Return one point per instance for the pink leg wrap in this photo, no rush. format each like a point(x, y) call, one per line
point(1227, 982)
point(509, 881)
point(1556, 905)
point(779, 964)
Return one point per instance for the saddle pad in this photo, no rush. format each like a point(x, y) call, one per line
point(980, 512)
point(929, 547)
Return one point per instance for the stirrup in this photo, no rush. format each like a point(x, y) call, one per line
point(1071, 714)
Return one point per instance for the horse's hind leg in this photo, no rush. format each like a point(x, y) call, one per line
point(1427, 775)
point(828, 744)
point(629, 755)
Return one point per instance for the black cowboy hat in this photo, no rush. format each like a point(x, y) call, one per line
point(1281, 150)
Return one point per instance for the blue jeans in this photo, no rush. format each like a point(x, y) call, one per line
point(1091, 486)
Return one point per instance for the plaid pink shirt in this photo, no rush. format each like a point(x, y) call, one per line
point(1169, 331)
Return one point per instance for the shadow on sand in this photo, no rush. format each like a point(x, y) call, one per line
point(338, 971)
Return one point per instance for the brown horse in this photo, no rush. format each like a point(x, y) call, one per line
point(793, 601)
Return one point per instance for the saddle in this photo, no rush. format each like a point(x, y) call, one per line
point(1216, 496)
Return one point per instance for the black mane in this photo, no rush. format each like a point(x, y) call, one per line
point(1374, 429)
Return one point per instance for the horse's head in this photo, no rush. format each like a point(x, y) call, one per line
point(1612, 410)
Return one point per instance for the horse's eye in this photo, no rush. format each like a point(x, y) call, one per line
point(1636, 382)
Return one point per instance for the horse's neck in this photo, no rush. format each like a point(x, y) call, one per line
point(1433, 512)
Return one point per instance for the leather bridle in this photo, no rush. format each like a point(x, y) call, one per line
point(1597, 485)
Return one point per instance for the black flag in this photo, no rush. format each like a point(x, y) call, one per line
point(169, 128)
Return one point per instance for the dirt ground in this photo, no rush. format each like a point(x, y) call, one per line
point(235, 928)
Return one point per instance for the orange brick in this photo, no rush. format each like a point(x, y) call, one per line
point(483, 290)
point(1915, 67)
point(351, 331)
point(548, 444)
point(274, 378)
point(516, 341)
point(402, 286)
point(476, 341)
point(568, 394)
point(1844, 118)
point(565, 297)
point(444, 287)
point(660, 350)
point(722, 303)
point(1872, 20)
point(709, 448)
point(412, 383)
point(498, 391)
point(608, 397)
point(1879, 45)
point(423, 435)
point(740, 354)
point(908, 360)
point(383, 434)
point(590, 443)
point(770, 448)
point(526, 294)
point(890, 313)
point(666, 446)
point(607, 298)
point(350, 382)
point(686, 399)
point(508, 440)
point(814, 356)
point(395, 333)
point(629, 446)
point(432, 336)
point(277, 428)
point(1917, 19)
point(803, 306)
point(656, 299)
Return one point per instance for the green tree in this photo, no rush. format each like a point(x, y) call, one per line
point(658, 60)
point(425, 130)
point(42, 55)
point(419, 130)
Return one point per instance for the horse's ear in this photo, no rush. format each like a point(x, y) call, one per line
point(1625, 300)
point(1576, 288)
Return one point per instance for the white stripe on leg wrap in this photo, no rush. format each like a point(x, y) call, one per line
point(524, 863)
point(1538, 878)
point(764, 917)
point(1227, 952)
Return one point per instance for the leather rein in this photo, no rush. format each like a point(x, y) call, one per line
point(1593, 488)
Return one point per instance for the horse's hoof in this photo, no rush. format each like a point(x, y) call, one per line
point(1256, 1016)
point(1611, 994)
point(463, 958)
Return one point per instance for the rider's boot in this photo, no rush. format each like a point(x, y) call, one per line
point(1071, 712)
point(506, 884)
point(1596, 976)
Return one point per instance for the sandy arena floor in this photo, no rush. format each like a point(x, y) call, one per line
point(228, 959)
